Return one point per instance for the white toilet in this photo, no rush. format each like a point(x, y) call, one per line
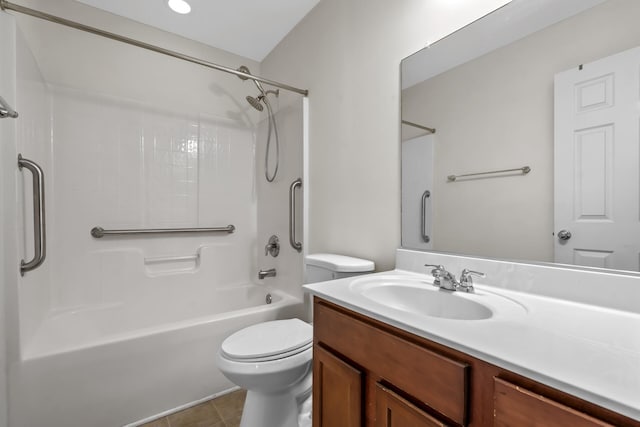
point(272, 360)
point(321, 267)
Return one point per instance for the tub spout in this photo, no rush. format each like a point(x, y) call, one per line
point(266, 273)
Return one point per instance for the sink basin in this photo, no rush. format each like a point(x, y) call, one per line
point(419, 296)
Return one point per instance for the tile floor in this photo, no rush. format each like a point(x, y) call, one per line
point(224, 411)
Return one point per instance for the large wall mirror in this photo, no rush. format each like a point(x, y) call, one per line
point(520, 136)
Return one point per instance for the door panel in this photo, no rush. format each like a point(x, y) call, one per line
point(337, 391)
point(597, 190)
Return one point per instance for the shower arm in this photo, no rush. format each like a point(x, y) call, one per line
point(5, 5)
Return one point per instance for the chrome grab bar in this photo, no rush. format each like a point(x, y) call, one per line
point(423, 217)
point(6, 110)
point(292, 214)
point(39, 233)
point(99, 232)
point(415, 125)
point(523, 170)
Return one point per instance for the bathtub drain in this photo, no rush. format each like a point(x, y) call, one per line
point(268, 299)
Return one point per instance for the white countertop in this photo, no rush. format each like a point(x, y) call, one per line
point(590, 351)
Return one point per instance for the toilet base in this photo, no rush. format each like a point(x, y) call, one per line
point(270, 410)
point(280, 409)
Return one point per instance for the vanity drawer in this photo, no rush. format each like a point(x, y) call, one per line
point(517, 406)
point(433, 379)
point(393, 410)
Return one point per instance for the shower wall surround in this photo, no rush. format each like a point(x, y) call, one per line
point(8, 252)
point(121, 164)
point(127, 139)
point(272, 197)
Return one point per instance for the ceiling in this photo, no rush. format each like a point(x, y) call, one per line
point(250, 28)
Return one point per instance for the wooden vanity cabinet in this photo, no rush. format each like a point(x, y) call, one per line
point(367, 373)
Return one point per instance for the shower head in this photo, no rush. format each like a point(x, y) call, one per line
point(255, 102)
point(245, 69)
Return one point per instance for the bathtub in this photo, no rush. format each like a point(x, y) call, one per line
point(110, 366)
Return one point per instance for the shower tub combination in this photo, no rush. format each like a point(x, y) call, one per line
point(124, 365)
point(117, 330)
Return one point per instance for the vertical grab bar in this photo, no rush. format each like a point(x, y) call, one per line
point(292, 214)
point(423, 217)
point(39, 234)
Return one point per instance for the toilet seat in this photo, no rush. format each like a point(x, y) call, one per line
point(267, 341)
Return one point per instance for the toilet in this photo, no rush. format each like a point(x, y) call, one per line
point(322, 267)
point(272, 360)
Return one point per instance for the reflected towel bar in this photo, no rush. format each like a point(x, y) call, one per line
point(99, 232)
point(415, 125)
point(524, 170)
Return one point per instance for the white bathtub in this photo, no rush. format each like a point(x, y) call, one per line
point(111, 366)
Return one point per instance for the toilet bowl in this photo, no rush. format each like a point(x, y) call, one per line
point(272, 361)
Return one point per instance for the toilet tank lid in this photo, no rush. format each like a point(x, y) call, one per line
point(340, 263)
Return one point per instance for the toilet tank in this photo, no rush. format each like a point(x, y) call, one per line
point(321, 267)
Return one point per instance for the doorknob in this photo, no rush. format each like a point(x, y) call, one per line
point(564, 234)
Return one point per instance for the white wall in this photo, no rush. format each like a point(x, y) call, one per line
point(273, 197)
point(496, 112)
point(8, 261)
point(33, 141)
point(347, 53)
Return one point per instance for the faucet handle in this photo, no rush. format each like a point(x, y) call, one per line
point(439, 268)
point(437, 272)
point(272, 247)
point(466, 279)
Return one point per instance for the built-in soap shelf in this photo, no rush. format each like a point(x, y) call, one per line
point(172, 264)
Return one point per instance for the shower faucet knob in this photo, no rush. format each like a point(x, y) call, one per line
point(273, 246)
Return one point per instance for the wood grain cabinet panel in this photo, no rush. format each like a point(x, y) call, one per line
point(394, 411)
point(438, 381)
point(517, 406)
point(337, 393)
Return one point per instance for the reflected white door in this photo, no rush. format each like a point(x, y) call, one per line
point(596, 163)
point(417, 184)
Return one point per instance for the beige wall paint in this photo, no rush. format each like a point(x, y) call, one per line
point(496, 112)
point(347, 53)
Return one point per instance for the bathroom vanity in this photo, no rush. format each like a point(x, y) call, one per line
point(385, 356)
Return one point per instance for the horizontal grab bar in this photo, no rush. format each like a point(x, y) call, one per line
point(524, 170)
point(99, 232)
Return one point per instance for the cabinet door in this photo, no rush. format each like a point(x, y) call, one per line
point(516, 406)
point(394, 411)
point(337, 391)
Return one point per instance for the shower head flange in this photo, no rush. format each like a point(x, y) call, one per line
point(243, 69)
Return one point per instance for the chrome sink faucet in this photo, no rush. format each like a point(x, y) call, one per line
point(445, 280)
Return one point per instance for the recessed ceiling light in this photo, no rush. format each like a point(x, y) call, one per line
point(179, 6)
